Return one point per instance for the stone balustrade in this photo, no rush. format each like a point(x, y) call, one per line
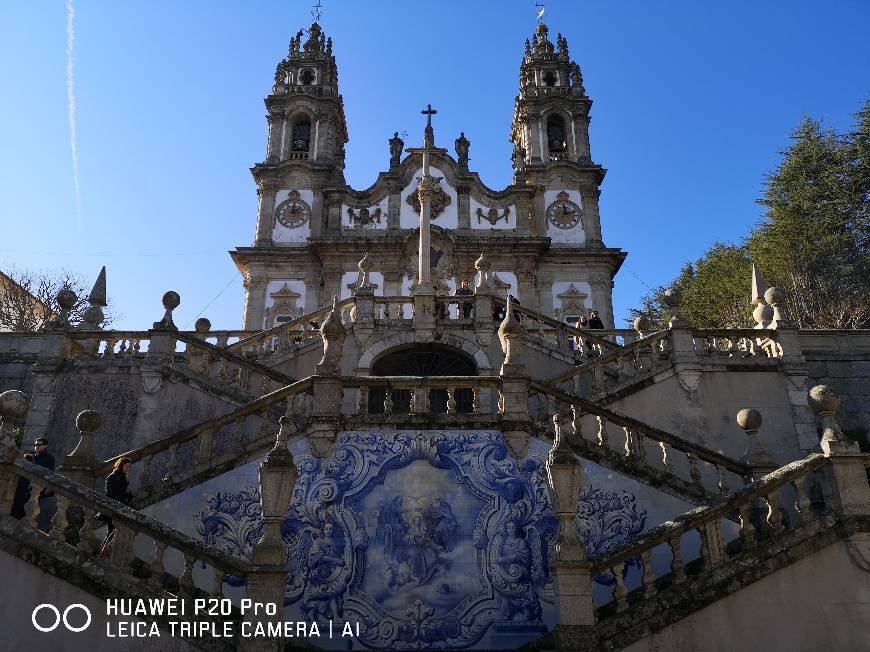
point(75, 524)
point(737, 343)
point(393, 309)
point(189, 456)
point(783, 501)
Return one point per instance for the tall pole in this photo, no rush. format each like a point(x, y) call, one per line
point(425, 190)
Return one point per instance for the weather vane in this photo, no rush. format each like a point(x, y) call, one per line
point(540, 11)
point(317, 11)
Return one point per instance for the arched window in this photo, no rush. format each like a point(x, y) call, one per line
point(556, 134)
point(423, 360)
point(550, 78)
point(306, 77)
point(301, 135)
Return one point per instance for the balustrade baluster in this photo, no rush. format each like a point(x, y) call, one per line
point(158, 571)
point(223, 372)
point(135, 347)
point(666, 463)
point(694, 470)
point(31, 508)
point(628, 443)
point(363, 406)
point(649, 578)
point(413, 403)
point(723, 482)
point(122, 350)
point(711, 544)
point(576, 423)
point(145, 476)
point(602, 431)
point(186, 586)
point(109, 351)
point(59, 521)
point(206, 448)
point(388, 401)
point(170, 465)
point(451, 401)
point(775, 516)
point(747, 529)
point(475, 400)
point(88, 542)
point(803, 504)
point(620, 593)
point(217, 589)
point(677, 569)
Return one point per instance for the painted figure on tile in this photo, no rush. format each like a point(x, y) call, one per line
point(513, 575)
point(325, 564)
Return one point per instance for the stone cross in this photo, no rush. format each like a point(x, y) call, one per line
point(425, 191)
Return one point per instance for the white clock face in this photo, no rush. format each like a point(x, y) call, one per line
point(564, 214)
point(293, 213)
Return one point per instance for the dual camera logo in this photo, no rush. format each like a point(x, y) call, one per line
point(58, 617)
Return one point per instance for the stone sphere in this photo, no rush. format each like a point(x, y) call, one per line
point(774, 296)
point(171, 300)
point(93, 315)
point(202, 325)
point(823, 398)
point(671, 297)
point(13, 403)
point(762, 313)
point(749, 419)
point(89, 421)
point(642, 324)
point(67, 299)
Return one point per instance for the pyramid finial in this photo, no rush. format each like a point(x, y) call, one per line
point(97, 297)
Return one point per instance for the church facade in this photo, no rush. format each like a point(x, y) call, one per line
point(411, 445)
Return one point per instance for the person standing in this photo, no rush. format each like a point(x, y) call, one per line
point(595, 321)
point(47, 500)
point(118, 489)
point(465, 291)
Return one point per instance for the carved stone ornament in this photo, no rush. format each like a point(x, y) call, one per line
point(364, 217)
point(440, 200)
point(572, 301)
point(492, 215)
point(293, 212)
point(563, 213)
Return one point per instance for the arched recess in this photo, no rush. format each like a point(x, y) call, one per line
point(300, 133)
point(557, 136)
point(429, 359)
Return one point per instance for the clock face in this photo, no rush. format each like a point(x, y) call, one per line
point(563, 214)
point(293, 212)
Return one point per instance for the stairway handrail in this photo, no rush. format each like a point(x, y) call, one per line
point(699, 516)
point(276, 331)
point(646, 340)
point(234, 358)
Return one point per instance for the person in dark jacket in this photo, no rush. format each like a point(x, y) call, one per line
point(22, 493)
point(117, 488)
point(47, 499)
point(595, 320)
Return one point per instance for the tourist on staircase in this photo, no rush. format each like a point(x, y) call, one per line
point(117, 488)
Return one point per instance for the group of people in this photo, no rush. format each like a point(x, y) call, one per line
point(117, 488)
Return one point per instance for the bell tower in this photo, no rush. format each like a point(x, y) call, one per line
point(551, 112)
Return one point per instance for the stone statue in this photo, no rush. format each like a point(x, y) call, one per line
point(519, 159)
point(462, 145)
point(396, 145)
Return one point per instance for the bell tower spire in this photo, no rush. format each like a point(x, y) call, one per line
point(551, 112)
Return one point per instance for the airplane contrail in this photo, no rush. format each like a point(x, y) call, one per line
point(71, 107)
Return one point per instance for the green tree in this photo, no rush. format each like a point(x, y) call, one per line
point(811, 241)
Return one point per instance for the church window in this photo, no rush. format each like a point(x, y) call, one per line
point(556, 134)
point(301, 135)
point(549, 78)
point(306, 77)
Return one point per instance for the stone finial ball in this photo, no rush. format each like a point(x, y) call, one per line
point(671, 297)
point(642, 324)
point(749, 419)
point(202, 325)
point(93, 315)
point(66, 299)
point(89, 421)
point(762, 313)
point(823, 398)
point(774, 296)
point(171, 300)
point(13, 403)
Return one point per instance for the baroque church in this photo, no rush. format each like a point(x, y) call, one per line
point(415, 441)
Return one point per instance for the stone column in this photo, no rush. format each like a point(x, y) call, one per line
point(571, 570)
point(582, 126)
point(592, 218)
point(255, 299)
point(536, 136)
point(526, 291)
point(265, 214)
point(275, 120)
point(327, 391)
point(602, 296)
point(516, 423)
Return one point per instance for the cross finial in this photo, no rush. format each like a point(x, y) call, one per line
point(429, 112)
point(539, 11)
point(317, 11)
point(429, 134)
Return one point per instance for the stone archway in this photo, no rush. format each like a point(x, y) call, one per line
point(426, 359)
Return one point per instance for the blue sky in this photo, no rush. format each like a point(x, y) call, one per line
point(692, 102)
